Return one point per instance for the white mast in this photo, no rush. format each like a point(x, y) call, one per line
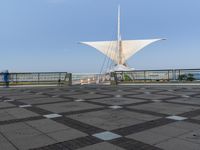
point(119, 49)
point(119, 34)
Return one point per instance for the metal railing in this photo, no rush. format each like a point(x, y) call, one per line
point(145, 76)
point(33, 78)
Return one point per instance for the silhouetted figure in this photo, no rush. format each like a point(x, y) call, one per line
point(59, 82)
point(6, 78)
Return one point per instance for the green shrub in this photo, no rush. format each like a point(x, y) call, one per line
point(190, 77)
point(127, 78)
point(182, 77)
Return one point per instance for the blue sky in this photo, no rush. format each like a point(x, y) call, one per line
point(42, 35)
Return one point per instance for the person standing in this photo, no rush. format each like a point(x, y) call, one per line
point(6, 78)
point(59, 82)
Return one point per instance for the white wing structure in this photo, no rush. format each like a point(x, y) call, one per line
point(108, 48)
point(120, 50)
point(129, 48)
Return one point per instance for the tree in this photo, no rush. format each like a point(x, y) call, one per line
point(190, 77)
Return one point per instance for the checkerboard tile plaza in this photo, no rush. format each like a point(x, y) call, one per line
point(74, 129)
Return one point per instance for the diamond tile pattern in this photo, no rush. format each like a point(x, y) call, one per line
point(100, 117)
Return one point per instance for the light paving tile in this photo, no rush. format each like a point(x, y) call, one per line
point(156, 100)
point(118, 96)
point(185, 96)
point(79, 100)
point(9, 100)
point(115, 107)
point(24, 106)
point(106, 136)
point(55, 96)
point(177, 118)
point(49, 116)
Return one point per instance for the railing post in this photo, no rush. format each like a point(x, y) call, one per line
point(168, 75)
point(16, 78)
point(123, 76)
point(38, 78)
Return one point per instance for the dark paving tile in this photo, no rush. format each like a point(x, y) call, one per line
point(72, 144)
point(86, 128)
point(142, 126)
point(130, 144)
